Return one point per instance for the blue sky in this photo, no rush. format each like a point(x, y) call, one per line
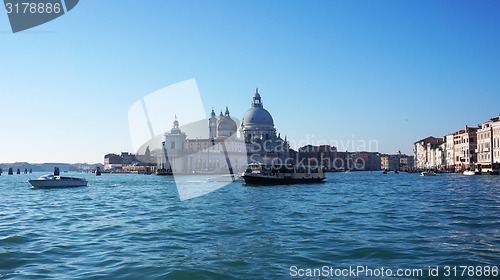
point(390, 71)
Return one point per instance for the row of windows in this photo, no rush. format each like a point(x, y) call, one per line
point(486, 145)
point(483, 135)
point(484, 157)
point(462, 151)
point(496, 155)
point(465, 140)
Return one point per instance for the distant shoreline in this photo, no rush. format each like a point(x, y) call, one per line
point(49, 167)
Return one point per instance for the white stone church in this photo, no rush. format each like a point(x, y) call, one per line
point(224, 148)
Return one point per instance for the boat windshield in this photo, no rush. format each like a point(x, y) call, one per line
point(255, 167)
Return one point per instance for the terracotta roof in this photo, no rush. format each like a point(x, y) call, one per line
point(431, 140)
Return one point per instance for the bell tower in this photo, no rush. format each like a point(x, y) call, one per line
point(212, 125)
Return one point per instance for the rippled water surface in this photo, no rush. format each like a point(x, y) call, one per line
point(131, 226)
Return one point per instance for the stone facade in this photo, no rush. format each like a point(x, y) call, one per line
point(425, 153)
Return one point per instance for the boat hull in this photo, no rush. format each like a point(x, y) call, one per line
point(269, 180)
point(487, 173)
point(45, 184)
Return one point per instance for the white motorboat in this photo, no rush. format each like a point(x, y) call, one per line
point(428, 173)
point(469, 172)
point(53, 181)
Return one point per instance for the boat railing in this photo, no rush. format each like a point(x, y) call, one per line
point(285, 168)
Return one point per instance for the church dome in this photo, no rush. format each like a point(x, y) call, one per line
point(257, 115)
point(228, 124)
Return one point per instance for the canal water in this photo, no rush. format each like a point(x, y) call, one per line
point(129, 226)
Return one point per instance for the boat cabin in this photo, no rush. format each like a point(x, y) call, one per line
point(260, 168)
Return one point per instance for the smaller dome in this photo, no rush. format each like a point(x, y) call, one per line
point(228, 125)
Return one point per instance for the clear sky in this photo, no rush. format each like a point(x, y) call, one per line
point(390, 71)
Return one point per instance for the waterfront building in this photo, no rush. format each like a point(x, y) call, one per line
point(390, 162)
point(484, 144)
point(332, 160)
point(323, 155)
point(496, 140)
point(174, 151)
point(182, 155)
point(128, 162)
point(396, 162)
point(406, 163)
point(439, 155)
point(112, 161)
point(472, 147)
point(449, 150)
point(344, 161)
point(224, 149)
point(425, 152)
point(117, 162)
point(487, 145)
point(359, 161)
point(465, 145)
point(385, 162)
point(370, 160)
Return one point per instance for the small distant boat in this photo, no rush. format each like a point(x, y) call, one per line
point(205, 171)
point(385, 172)
point(226, 178)
point(469, 172)
point(428, 173)
point(264, 174)
point(53, 181)
point(163, 172)
point(487, 169)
